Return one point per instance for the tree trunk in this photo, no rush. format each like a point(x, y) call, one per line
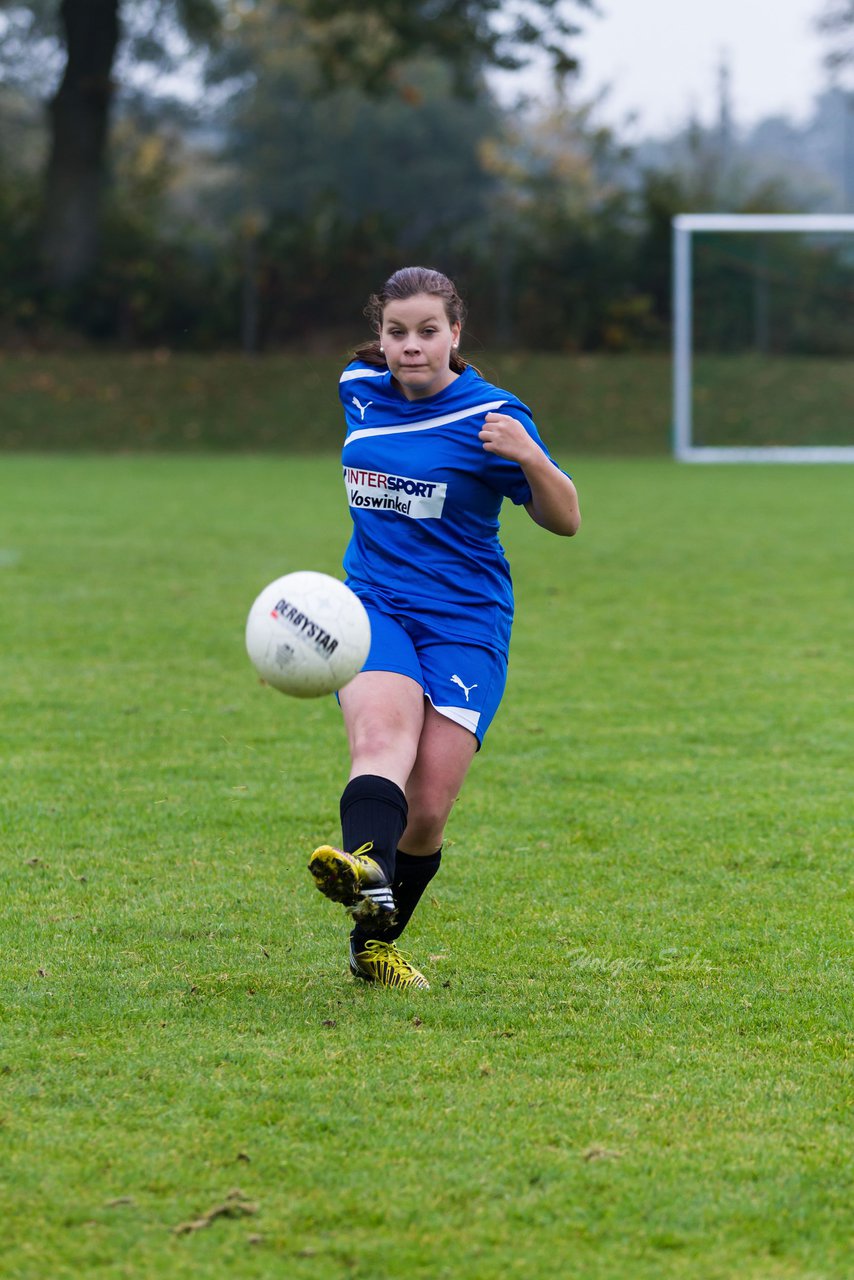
point(79, 115)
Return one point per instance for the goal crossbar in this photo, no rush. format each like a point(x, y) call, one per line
point(684, 226)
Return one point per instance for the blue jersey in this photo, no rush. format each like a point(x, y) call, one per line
point(425, 497)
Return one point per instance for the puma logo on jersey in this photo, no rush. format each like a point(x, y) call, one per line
point(361, 407)
point(465, 688)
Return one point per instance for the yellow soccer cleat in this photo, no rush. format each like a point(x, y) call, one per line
point(382, 962)
point(355, 880)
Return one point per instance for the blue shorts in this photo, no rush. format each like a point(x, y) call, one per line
point(463, 681)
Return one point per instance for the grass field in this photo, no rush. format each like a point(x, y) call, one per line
point(769, 400)
point(635, 1059)
point(592, 404)
point(289, 402)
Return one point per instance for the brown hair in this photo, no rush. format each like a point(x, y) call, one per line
point(406, 283)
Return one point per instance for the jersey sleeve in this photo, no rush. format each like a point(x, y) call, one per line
point(355, 388)
point(507, 477)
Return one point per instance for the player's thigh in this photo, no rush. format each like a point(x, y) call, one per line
point(445, 752)
point(384, 715)
point(383, 705)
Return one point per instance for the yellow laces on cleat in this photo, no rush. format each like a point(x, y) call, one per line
point(382, 962)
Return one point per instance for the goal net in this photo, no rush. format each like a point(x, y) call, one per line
point(763, 337)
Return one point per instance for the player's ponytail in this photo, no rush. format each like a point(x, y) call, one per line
point(370, 353)
point(406, 283)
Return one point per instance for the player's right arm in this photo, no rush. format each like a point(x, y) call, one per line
point(554, 500)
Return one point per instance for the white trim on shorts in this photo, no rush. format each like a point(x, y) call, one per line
point(469, 719)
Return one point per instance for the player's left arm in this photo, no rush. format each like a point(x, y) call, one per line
point(554, 501)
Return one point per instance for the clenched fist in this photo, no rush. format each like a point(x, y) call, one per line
point(507, 437)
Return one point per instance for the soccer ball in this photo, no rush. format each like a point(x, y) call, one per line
point(307, 634)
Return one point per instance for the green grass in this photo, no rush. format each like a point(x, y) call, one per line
point(635, 1057)
point(194, 404)
point(769, 400)
point(595, 404)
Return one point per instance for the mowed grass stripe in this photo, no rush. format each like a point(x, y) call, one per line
point(635, 1058)
point(594, 404)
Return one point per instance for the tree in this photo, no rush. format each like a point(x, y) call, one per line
point(79, 114)
point(367, 39)
point(559, 247)
point(837, 23)
point(83, 37)
point(353, 42)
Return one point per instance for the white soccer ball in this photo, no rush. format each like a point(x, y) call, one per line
point(307, 634)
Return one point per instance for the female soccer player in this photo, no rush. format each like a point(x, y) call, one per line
point(431, 451)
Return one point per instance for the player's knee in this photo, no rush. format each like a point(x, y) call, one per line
point(425, 827)
point(380, 737)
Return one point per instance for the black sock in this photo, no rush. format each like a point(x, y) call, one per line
point(412, 876)
point(373, 808)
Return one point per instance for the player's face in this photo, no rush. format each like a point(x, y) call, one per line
point(417, 339)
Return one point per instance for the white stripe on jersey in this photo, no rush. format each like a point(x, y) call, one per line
point(349, 374)
point(401, 428)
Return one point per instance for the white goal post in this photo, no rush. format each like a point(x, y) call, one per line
point(684, 226)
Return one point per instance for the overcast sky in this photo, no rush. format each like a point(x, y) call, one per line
point(660, 58)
